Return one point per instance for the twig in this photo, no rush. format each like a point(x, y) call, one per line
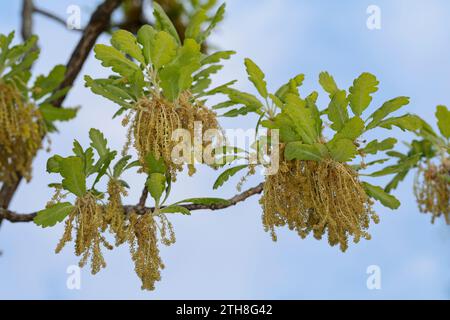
point(53, 17)
point(27, 19)
point(13, 217)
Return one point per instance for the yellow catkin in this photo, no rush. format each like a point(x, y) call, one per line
point(87, 218)
point(155, 121)
point(114, 213)
point(432, 189)
point(318, 197)
point(21, 132)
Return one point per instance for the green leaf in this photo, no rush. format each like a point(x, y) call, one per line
point(109, 91)
point(217, 56)
point(205, 73)
point(119, 167)
point(163, 22)
point(102, 165)
point(300, 151)
point(164, 49)
point(177, 76)
point(175, 209)
point(256, 76)
point(404, 164)
point(145, 36)
point(379, 194)
point(244, 98)
point(328, 84)
point(443, 116)
point(337, 110)
point(360, 92)
point(111, 57)
point(374, 146)
point(227, 174)
point(72, 170)
point(54, 164)
point(399, 177)
point(302, 119)
point(98, 142)
point(206, 201)
point(285, 89)
point(156, 184)
point(46, 84)
point(386, 109)
point(407, 122)
point(52, 215)
point(218, 17)
point(194, 27)
point(155, 165)
point(126, 42)
point(51, 113)
point(342, 150)
point(351, 130)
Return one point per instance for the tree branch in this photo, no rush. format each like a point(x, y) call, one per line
point(53, 17)
point(27, 19)
point(98, 23)
point(14, 217)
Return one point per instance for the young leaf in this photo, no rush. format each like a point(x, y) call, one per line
point(119, 167)
point(163, 22)
point(46, 84)
point(337, 110)
point(443, 116)
point(156, 184)
point(177, 76)
point(342, 150)
point(360, 92)
point(52, 215)
point(126, 42)
point(227, 174)
point(351, 130)
point(194, 27)
point(217, 56)
point(256, 76)
point(206, 201)
point(407, 122)
point(145, 36)
point(176, 209)
point(51, 113)
point(164, 49)
point(98, 142)
point(386, 109)
point(111, 57)
point(328, 84)
point(300, 151)
point(374, 146)
point(379, 194)
point(399, 177)
point(54, 164)
point(72, 170)
point(285, 89)
point(218, 17)
point(111, 92)
point(155, 165)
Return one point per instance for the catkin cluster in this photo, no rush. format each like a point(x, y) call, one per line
point(89, 220)
point(318, 197)
point(21, 132)
point(432, 189)
point(155, 121)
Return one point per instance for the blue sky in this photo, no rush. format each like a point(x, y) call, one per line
point(227, 254)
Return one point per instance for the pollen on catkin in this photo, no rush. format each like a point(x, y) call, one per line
point(432, 189)
point(318, 197)
point(21, 132)
point(87, 218)
point(155, 121)
point(143, 241)
point(114, 216)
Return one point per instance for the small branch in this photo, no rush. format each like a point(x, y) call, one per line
point(27, 19)
point(16, 217)
point(53, 17)
point(143, 199)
